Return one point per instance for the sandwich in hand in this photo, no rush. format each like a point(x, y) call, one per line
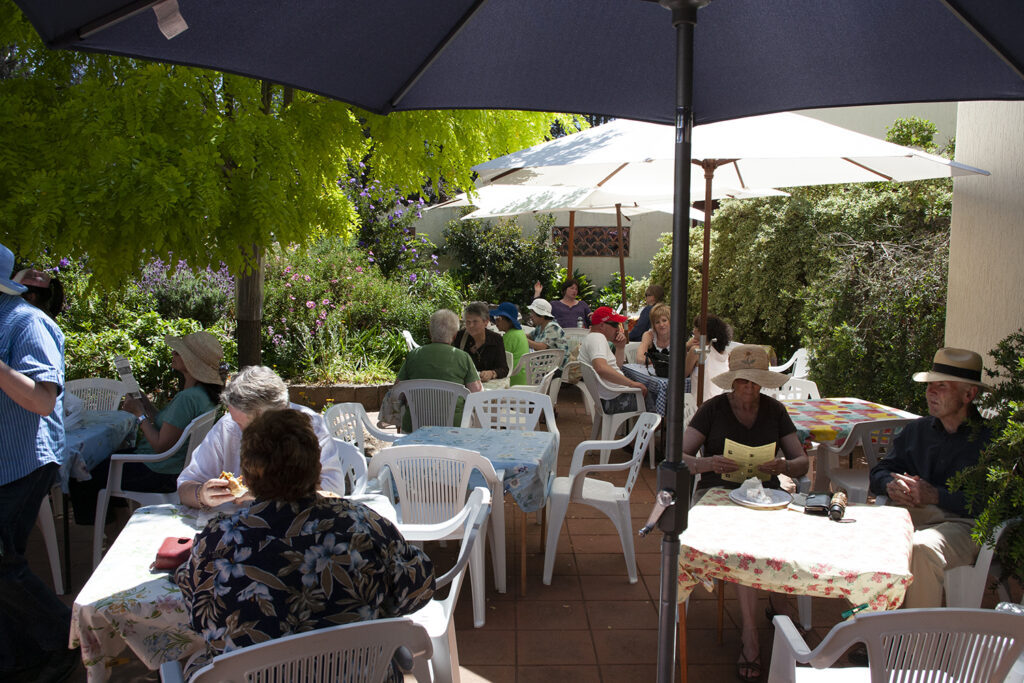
point(235, 485)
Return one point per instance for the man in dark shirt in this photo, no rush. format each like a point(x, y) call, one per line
point(925, 455)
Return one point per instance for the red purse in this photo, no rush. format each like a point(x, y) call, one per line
point(172, 554)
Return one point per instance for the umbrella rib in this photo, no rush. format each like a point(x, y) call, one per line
point(612, 174)
point(867, 168)
point(396, 99)
point(104, 22)
point(998, 49)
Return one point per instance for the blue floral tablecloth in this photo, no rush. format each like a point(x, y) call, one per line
point(527, 458)
point(100, 433)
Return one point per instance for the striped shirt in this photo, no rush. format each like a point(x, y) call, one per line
point(32, 344)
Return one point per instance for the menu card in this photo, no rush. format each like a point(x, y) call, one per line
point(748, 458)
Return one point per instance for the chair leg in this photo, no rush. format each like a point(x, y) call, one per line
point(497, 541)
point(45, 523)
point(803, 606)
point(102, 501)
point(478, 579)
point(559, 506)
point(624, 524)
point(721, 608)
point(445, 660)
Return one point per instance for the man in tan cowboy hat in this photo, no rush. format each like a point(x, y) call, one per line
point(924, 456)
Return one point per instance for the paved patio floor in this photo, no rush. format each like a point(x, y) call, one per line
point(590, 625)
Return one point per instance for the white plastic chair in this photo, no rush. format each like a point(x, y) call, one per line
point(510, 360)
point(800, 362)
point(606, 425)
point(354, 653)
point(349, 422)
point(97, 393)
point(432, 483)
point(431, 402)
point(965, 586)
point(353, 465)
point(610, 499)
point(191, 437)
point(437, 617)
point(875, 444)
point(410, 343)
point(794, 390)
point(49, 531)
point(954, 645)
point(631, 349)
point(537, 364)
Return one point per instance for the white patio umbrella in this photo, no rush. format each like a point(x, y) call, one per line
point(775, 150)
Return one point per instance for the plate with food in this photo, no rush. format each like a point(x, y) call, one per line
point(235, 484)
point(752, 494)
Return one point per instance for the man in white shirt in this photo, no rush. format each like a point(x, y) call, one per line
point(605, 328)
point(254, 390)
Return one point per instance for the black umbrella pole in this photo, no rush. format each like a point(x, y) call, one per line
point(673, 476)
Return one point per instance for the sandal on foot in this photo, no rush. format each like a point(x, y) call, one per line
point(770, 613)
point(748, 670)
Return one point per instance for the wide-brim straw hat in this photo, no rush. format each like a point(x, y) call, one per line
point(201, 353)
point(750, 362)
point(8, 286)
point(954, 365)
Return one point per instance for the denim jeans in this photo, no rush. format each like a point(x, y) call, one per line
point(33, 620)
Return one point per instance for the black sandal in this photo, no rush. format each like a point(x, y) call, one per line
point(749, 670)
point(770, 613)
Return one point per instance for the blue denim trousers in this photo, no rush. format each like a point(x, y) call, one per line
point(33, 620)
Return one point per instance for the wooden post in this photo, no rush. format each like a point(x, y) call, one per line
point(572, 240)
point(249, 307)
point(622, 258)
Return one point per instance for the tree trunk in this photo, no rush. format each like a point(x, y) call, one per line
point(249, 307)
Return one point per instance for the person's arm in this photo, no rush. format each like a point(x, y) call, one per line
point(475, 386)
point(897, 461)
point(692, 355)
point(645, 344)
point(36, 397)
point(160, 439)
point(199, 484)
point(613, 376)
point(497, 352)
point(794, 464)
point(538, 289)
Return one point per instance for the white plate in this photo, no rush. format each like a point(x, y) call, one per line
point(780, 499)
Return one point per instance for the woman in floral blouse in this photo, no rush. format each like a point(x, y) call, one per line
point(295, 560)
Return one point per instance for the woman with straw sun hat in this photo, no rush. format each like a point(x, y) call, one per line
point(197, 358)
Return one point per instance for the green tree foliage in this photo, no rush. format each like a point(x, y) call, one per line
point(125, 160)
point(996, 484)
point(661, 271)
point(495, 262)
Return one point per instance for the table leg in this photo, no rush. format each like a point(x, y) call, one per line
point(821, 481)
point(67, 544)
point(682, 641)
point(522, 552)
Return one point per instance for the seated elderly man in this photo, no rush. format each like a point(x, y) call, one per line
point(440, 360)
point(254, 390)
point(605, 329)
point(924, 456)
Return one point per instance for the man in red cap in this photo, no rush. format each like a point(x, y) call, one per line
point(605, 329)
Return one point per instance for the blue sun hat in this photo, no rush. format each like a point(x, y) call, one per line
point(508, 310)
point(7, 285)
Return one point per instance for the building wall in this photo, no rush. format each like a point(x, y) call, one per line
point(985, 296)
point(876, 120)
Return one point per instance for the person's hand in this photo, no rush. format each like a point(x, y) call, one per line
point(620, 338)
point(720, 464)
point(691, 343)
point(915, 489)
point(774, 467)
point(642, 387)
point(214, 492)
point(899, 491)
point(133, 406)
point(538, 289)
point(487, 375)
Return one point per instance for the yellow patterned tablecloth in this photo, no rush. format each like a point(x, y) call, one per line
point(784, 551)
point(832, 419)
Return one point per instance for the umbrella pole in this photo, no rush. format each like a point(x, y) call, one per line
point(709, 175)
point(622, 261)
point(673, 477)
point(572, 241)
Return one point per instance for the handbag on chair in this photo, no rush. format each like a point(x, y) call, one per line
point(659, 359)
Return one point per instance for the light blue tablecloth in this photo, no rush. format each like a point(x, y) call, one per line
point(100, 433)
point(528, 458)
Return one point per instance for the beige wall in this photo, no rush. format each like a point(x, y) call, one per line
point(876, 120)
point(986, 299)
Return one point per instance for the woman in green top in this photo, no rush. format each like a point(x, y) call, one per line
point(506, 317)
point(196, 357)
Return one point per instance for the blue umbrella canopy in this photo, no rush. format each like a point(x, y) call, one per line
point(612, 57)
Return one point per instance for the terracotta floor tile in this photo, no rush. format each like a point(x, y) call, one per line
point(487, 673)
point(555, 647)
point(483, 646)
point(558, 674)
point(615, 587)
point(626, 646)
point(551, 615)
point(601, 563)
point(499, 615)
point(561, 588)
point(622, 614)
point(590, 543)
point(591, 525)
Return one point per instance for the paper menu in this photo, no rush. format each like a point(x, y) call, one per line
point(124, 370)
point(748, 458)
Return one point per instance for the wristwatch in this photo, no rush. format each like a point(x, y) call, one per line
point(141, 418)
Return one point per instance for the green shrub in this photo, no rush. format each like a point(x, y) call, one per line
point(611, 294)
point(204, 295)
point(553, 291)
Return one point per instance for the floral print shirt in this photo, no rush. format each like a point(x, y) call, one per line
point(278, 568)
point(554, 336)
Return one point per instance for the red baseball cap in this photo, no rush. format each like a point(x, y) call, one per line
point(606, 315)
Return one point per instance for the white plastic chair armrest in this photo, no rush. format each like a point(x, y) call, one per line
point(577, 477)
point(378, 433)
point(170, 672)
point(143, 457)
point(785, 366)
point(596, 445)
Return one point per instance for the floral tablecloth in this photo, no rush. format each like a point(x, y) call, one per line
point(528, 458)
point(832, 419)
point(100, 433)
point(784, 551)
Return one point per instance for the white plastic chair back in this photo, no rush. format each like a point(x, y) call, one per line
point(642, 433)
point(794, 390)
point(507, 409)
point(606, 425)
point(97, 393)
point(965, 586)
point(510, 360)
point(354, 653)
point(875, 445)
point(954, 645)
point(631, 349)
point(353, 465)
point(410, 343)
point(431, 402)
point(190, 438)
point(349, 422)
point(800, 364)
point(538, 363)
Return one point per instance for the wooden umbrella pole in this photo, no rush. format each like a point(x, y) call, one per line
point(709, 174)
point(572, 239)
point(622, 258)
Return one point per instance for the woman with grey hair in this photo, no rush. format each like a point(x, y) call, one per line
point(484, 346)
point(440, 360)
point(251, 392)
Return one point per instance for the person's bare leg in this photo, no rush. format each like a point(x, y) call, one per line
point(750, 649)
